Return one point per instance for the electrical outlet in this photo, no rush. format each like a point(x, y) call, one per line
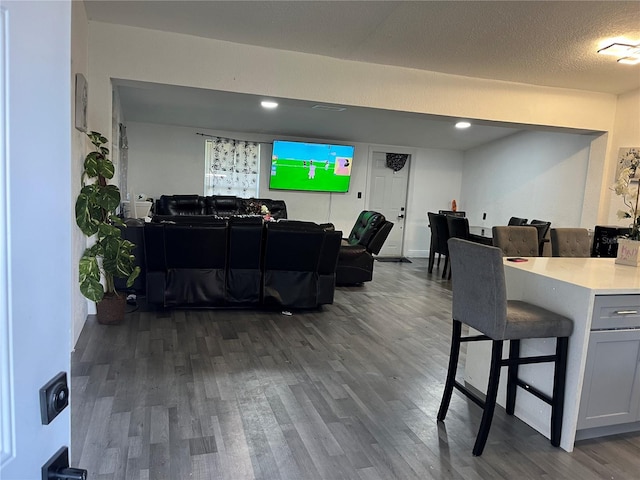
point(54, 397)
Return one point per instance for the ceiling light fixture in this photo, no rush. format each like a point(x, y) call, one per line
point(462, 125)
point(627, 53)
point(269, 104)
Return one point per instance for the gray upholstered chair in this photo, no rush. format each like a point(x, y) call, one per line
point(480, 301)
point(516, 241)
point(570, 242)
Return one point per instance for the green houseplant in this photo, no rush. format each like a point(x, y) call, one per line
point(111, 255)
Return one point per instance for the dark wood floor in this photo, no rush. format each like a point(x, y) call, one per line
point(348, 392)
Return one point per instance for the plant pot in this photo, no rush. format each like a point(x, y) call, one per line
point(628, 252)
point(110, 310)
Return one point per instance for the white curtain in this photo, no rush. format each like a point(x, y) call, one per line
point(231, 167)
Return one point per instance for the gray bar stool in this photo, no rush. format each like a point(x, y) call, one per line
point(480, 301)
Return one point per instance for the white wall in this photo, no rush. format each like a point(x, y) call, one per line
point(131, 53)
point(166, 159)
point(626, 134)
point(79, 148)
point(529, 174)
point(436, 177)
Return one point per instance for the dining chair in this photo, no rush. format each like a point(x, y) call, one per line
point(517, 221)
point(480, 302)
point(516, 241)
point(458, 227)
point(570, 242)
point(543, 229)
point(439, 237)
point(457, 213)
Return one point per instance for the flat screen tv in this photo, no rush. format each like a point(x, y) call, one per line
point(316, 167)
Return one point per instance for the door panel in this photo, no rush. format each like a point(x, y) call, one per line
point(36, 219)
point(611, 391)
point(388, 195)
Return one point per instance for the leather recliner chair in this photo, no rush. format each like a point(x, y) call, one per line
point(180, 205)
point(355, 261)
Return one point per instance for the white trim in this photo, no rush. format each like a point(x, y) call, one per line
point(7, 430)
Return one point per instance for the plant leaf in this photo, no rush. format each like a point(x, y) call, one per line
point(106, 168)
point(92, 289)
point(84, 217)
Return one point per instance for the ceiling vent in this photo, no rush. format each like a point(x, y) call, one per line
point(329, 108)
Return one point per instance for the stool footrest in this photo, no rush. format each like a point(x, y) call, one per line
point(534, 391)
point(506, 362)
point(475, 338)
point(469, 394)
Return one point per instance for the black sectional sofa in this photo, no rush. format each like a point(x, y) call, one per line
point(168, 206)
point(240, 261)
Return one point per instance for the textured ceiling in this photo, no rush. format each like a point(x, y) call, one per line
point(536, 42)
point(539, 42)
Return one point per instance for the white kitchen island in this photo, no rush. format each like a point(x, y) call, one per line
point(595, 293)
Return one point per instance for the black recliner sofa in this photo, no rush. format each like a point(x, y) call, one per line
point(168, 206)
point(240, 262)
point(355, 260)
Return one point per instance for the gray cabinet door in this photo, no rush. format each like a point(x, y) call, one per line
point(611, 390)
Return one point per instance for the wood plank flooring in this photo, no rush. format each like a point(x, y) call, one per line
point(350, 391)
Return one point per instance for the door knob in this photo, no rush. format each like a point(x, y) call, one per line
point(401, 215)
point(57, 468)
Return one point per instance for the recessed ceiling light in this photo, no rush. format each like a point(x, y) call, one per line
point(627, 51)
point(463, 125)
point(329, 108)
point(635, 60)
point(269, 104)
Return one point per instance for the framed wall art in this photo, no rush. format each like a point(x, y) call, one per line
point(81, 102)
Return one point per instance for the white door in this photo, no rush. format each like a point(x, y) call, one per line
point(389, 197)
point(36, 216)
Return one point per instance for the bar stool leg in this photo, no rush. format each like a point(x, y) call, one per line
point(490, 401)
point(512, 376)
point(559, 379)
point(453, 367)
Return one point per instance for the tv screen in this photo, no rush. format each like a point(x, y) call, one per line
point(316, 167)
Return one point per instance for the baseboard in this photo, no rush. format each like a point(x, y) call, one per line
point(417, 254)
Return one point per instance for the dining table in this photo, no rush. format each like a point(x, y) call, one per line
point(481, 235)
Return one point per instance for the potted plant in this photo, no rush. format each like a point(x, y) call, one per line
point(111, 255)
point(628, 187)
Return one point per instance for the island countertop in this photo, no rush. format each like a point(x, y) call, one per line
point(602, 275)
